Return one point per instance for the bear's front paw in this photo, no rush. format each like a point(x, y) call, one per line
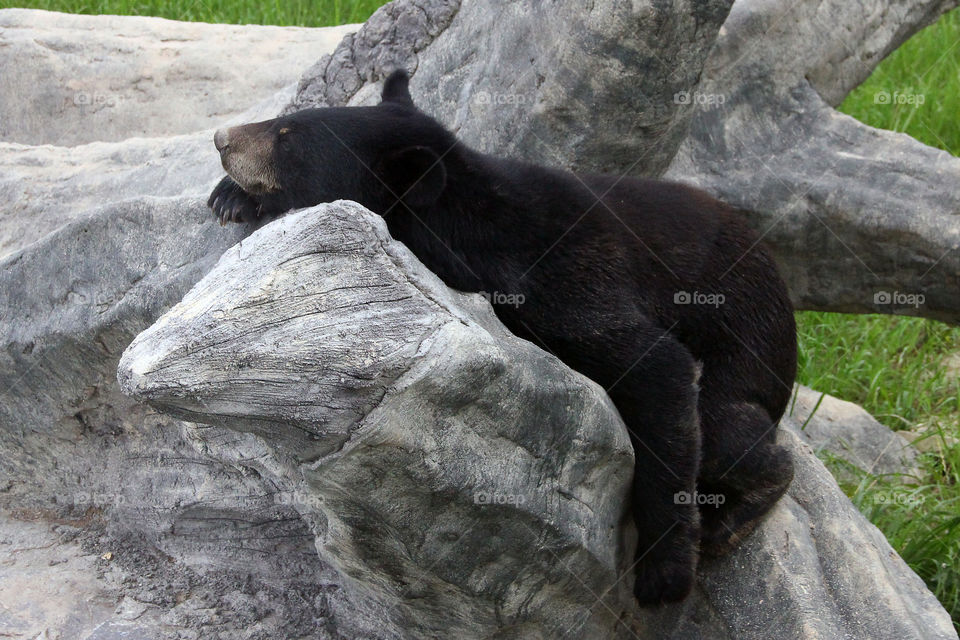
point(664, 580)
point(230, 203)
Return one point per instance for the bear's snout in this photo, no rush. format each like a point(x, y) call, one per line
point(221, 139)
point(246, 152)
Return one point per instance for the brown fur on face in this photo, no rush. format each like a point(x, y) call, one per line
point(246, 152)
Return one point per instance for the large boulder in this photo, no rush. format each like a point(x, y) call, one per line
point(182, 83)
point(859, 219)
point(344, 495)
point(548, 82)
point(462, 478)
point(833, 427)
point(451, 472)
point(73, 79)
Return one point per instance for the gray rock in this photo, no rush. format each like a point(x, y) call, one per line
point(847, 431)
point(219, 529)
point(391, 401)
point(77, 451)
point(595, 89)
point(72, 79)
point(48, 585)
point(815, 569)
point(44, 187)
point(196, 86)
point(455, 474)
point(860, 220)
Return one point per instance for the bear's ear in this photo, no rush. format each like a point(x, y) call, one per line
point(415, 175)
point(396, 88)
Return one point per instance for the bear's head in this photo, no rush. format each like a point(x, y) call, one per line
point(376, 156)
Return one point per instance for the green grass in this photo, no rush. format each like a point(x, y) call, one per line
point(893, 366)
point(927, 65)
point(306, 13)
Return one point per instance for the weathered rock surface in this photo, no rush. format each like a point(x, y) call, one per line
point(556, 83)
point(399, 411)
point(381, 393)
point(123, 479)
point(847, 431)
point(43, 187)
point(236, 531)
point(107, 78)
point(216, 531)
point(860, 220)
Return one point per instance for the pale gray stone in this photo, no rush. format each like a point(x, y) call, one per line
point(860, 220)
point(241, 528)
point(559, 83)
point(73, 79)
point(384, 394)
point(845, 430)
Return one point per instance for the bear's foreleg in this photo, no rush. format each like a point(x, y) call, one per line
point(651, 378)
point(230, 203)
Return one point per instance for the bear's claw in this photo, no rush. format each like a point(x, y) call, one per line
point(230, 203)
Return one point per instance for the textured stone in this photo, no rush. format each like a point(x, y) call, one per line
point(847, 431)
point(237, 529)
point(198, 85)
point(594, 88)
point(462, 476)
point(859, 219)
point(73, 79)
point(393, 402)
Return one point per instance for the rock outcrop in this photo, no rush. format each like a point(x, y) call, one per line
point(860, 219)
point(837, 428)
point(58, 159)
point(465, 480)
point(73, 79)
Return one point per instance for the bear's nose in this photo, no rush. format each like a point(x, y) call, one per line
point(221, 139)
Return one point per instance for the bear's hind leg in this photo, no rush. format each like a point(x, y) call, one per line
point(742, 476)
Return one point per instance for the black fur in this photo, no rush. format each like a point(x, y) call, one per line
point(598, 260)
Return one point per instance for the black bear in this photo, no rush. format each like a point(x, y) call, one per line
point(655, 290)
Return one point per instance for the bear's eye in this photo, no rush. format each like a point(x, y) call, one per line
point(284, 131)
